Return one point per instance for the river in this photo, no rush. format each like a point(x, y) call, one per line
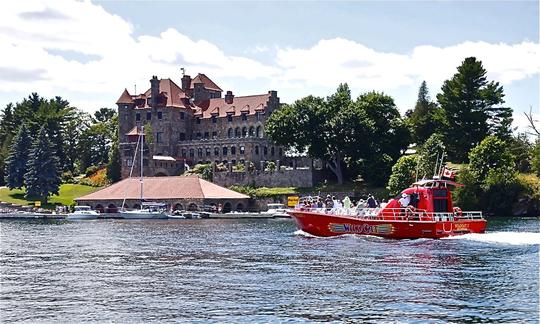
point(262, 271)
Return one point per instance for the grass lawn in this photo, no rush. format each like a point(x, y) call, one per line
point(66, 195)
point(322, 188)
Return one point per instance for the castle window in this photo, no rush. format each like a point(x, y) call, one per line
point(233, 150)
point(272, 151)
point(230, 133)
point(214, 135)
point(199, 152)
point(159, 137)
point(251, 131)
point(256, 150)
point(207, 151)
point(244, 132)
point(244, 116)
point(242, 149)
point(137, 117)
point(206, 135)
point(280, 151)
point(129, 162)
point(257, 116)
point(214, 119)
point(159, 115)
point(182, 115)
point(259, 131)
point(191, 153)
point(265, 150)
point(216, 151)
point(184, 152)
point(237, 132)
point(182, 136)
point(148, 115)
point(199, 135)
point(224, 150)
point(229, 118)
point(198, 120)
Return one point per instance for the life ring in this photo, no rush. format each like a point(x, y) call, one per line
point(458, 212)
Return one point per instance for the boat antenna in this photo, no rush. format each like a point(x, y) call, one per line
point(417, 164)
point(441, 165)
point(142, 159)
point(436, 163)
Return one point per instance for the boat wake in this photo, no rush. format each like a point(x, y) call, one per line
point(512, 238)
point(338, 237)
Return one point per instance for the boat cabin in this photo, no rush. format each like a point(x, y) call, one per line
point(432, 196)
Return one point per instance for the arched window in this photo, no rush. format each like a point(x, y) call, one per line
point(259, 131)
point(233, 150)
point(199, 152)
point(244, 131)
point(272, 151)
point(256, 150)
point(251, 131)
point(265, 150)
point(224, 150)
point(280, 151)
point(230, 133)
point(216, 151)
point(237, 132)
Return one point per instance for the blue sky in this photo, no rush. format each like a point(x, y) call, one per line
point(89, 52)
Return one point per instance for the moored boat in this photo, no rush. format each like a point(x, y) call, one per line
point(83, 213)
point(427, 213)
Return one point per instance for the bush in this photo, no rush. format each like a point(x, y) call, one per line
point(91, 170)
point(67, 177)
point(240, 167)
point(535, 158)
point(270, 166)
point(97, 179)
point(204, 170)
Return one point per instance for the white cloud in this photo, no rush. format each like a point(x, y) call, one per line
point(34, 35)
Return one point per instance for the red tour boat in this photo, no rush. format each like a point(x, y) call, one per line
point(429, 214)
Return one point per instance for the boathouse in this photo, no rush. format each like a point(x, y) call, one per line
point(180, 193)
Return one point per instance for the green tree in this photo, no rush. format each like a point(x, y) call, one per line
point(403, 174)
point(426, 118)
point(317, 126)
point(520, 147)
point(114, 167)
point(472, 109)
point(430, 152)
point(8, 128)
point(491, 155)
point(468, 196)
point(43, 177)
point(535, 157)
point(16, 163)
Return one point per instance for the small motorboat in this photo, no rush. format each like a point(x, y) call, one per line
point(429, 213)
point(277, 210)
point(83, 213)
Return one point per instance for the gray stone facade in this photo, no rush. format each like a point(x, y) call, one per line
point(301, 177)
point(193, 124)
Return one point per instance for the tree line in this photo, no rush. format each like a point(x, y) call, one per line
point(44, 142)
point(366, 138)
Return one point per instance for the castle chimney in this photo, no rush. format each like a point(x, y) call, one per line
point(186, 82)
point(229, 97)
point(154, 90)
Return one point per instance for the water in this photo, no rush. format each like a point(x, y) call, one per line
point(262, 271)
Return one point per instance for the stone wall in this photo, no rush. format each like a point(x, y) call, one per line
point(301, 177)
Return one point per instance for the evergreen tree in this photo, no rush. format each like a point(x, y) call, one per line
point(113, 167)
point(17, 160)
point(426, 118)
point(472, 109)
point(43, 177)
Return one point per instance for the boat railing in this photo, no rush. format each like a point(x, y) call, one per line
point(398, 214)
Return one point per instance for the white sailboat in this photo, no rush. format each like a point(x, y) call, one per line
point(148, 210)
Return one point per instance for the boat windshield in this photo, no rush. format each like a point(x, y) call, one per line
point(81, 208)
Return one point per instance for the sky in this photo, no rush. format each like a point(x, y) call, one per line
point(88, 51)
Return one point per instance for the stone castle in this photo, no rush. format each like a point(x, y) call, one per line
point(192, 124)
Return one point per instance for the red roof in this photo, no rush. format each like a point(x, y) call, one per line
point(176, 97)
point(135, 131)
point(239, 105)
point(125, 98)
point(208, 84)
point(155, 188)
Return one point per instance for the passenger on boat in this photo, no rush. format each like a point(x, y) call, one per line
point(405, 200)
point(372, 203)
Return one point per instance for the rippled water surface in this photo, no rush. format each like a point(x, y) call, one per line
point(262, 271)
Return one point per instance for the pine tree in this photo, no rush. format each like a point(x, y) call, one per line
point(16, 163)
point(43, 176)
point(472, 109)
point(113, 167)
point(425, 119)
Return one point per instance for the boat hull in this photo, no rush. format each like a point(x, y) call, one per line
point(81, 216)
point(142, 215)
point(325, 225)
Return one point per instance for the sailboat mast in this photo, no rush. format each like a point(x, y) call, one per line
point(142, 155)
